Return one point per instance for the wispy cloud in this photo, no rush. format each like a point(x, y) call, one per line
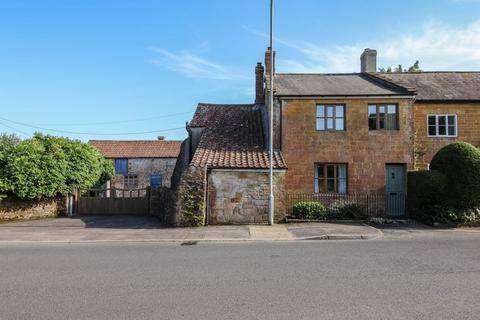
point(194, 66)
point(438, 46)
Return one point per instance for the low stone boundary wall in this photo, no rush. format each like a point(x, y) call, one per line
point(12, 209)
point(162, 204)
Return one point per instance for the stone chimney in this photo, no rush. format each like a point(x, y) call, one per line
point(368, 60)
point(259, 81)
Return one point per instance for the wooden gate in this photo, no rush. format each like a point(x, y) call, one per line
point(113, 202)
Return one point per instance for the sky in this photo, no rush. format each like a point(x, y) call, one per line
point(136, 69)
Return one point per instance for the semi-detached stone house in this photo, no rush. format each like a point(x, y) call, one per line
point(336, 133)
point(140, 163)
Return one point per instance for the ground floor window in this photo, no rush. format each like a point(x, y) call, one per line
point(331, 178)
point(155, 180)
point(130, 181)
point(442, 125)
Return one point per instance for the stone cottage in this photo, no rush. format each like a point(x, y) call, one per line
point(140, 163)
point(225, 158)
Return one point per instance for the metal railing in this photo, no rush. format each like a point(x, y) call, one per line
point(372, 204)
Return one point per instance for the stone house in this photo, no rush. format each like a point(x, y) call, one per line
point(355, 133)
point(139, 164)
point(446, 109)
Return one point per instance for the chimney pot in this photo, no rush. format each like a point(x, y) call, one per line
point(368, 60)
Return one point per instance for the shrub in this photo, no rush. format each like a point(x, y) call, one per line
point(7, 143)
point(460, 163)
point(309, 210)
point(347, 210)
point(46, 166)
point(426, 195)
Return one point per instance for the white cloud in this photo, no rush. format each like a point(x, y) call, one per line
point(436, 45)
point(194, 66)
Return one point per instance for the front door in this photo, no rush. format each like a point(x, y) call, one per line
point(395, 190)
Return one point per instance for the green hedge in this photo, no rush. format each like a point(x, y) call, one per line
point(426, 192)
point(309, 210)
point(346, 210)
point(460, 163)
point(46, 166)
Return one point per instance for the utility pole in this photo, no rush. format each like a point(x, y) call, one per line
point(270, 96)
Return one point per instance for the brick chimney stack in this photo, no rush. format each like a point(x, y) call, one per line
point(259, 82)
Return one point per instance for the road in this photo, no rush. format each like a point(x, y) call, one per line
point(394, 278)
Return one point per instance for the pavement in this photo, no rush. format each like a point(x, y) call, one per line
point(398, 279)
point(149, 229)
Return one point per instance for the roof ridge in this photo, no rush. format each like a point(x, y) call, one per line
point(225, 104)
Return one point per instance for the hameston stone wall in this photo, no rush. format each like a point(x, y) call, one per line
point(241, 196)
point(366, 152)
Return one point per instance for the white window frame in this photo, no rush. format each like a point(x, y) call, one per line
point(446, 123)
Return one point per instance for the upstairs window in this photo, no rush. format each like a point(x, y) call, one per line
point(121, 167)
point(383, 117)
point(330, 117)
point(442, 125)
point(331, 178)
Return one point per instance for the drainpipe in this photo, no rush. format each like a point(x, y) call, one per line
point(270, 96)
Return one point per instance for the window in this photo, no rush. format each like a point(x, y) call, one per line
point(331, 178)
point(383, 117)
point(331, 117)
point(442, 125)
point(130, 181)
point(155, 180)
point(121, 167)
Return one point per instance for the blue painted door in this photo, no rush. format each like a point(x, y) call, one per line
point(395, 190)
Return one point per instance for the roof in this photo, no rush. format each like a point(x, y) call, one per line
point(138, 148)
point(439, 86)
point(232, 137)
point(347, 84)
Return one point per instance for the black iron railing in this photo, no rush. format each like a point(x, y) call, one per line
point(371, 204)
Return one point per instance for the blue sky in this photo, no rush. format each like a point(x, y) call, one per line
point(139, 66)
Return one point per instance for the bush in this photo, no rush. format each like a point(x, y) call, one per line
point(309, 210)
point(426, 195)
point(460, 163)
point(47, 166)
point(347, 210)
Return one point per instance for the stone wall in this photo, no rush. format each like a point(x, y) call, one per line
point(241, 196)
point(12, 209)
point(162, 204)
point(468, 126)
point(144, 168)
point(190, 199)
point(365, 152)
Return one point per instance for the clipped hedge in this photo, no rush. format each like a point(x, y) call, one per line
point(460, 163)
point(346, 210)
point(309, 210)
point(426, 194)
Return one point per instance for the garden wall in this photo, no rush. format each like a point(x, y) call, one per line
point(12, 209)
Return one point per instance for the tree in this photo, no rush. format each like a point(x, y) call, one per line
point(46, 166)
point(399, 69)
point(7, 143)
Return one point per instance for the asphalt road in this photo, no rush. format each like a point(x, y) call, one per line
point(430, 278)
